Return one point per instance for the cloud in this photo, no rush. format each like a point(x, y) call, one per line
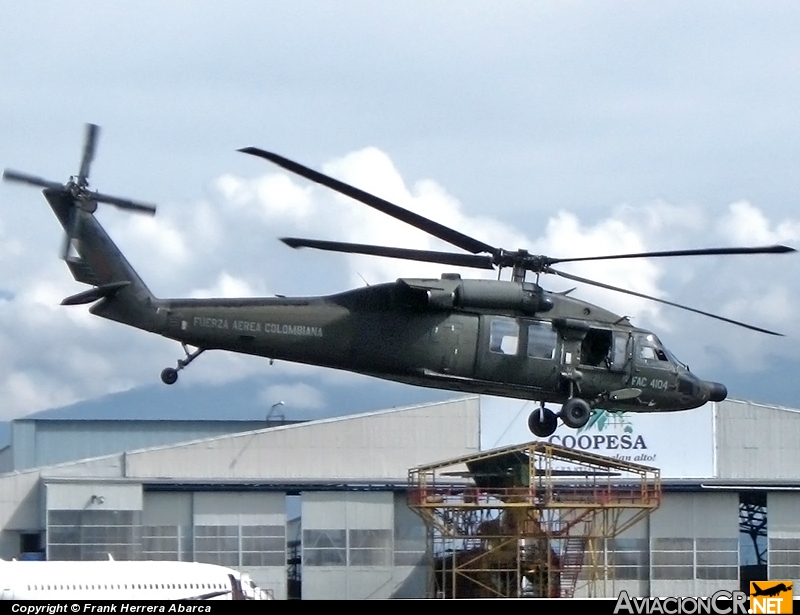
point(226, 286)
point(565, 235)
point(747, 225)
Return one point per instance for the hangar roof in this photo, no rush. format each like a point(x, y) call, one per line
point(365, 448)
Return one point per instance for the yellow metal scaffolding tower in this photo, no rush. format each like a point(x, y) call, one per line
point(527, 521)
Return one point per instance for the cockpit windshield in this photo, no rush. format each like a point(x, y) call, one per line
point(675, 360)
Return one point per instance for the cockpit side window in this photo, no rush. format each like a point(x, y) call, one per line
point(619, 350)
point(649, 349)
point(504, 335)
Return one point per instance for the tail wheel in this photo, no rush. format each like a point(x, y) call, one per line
point(575, 412)
point(542, 422)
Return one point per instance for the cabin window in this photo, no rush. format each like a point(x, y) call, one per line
point(596, 347)
point(541, 340)
point(504, 335)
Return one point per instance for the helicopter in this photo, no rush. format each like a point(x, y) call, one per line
point(508, 338)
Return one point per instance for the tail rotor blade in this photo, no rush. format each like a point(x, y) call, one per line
point(89, 144)
point(70, 232)
point(145, 208)
point(32, 180)
point(66, 246)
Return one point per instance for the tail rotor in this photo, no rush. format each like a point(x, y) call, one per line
point(76, 190)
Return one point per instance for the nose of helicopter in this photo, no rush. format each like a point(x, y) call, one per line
point(716, 391)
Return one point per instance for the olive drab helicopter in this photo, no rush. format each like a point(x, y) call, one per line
point(508, 338)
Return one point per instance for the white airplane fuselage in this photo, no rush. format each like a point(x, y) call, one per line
point(123, 580)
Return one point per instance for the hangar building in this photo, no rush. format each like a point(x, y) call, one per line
point(320, 508)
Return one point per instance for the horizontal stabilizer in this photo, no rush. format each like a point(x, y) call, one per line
point(99, 292)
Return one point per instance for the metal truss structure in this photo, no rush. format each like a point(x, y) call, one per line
point(528, 520)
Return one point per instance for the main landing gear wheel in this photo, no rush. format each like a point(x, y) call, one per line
point(169, 375)
point(575, 412)
point(542, 422)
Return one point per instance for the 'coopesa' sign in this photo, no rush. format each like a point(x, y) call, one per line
point(601, 442)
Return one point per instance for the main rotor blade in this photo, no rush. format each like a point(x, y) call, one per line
point(14, 176)
point(776, 249)
point(451, 236)
point(576, 278)
point(145, 208)
point(88, 152)
point(430, 256)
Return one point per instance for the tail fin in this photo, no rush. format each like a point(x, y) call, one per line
point(92, 257)
point(119, 293)
point(236, 588)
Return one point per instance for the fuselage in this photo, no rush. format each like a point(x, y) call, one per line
point(384, 331)
point(123, 580)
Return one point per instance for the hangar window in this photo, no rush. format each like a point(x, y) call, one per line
point(629, 558)
point(324, 548)
point(217, 544)
point(263, 545)
point(370, 547)
point(92, 534)
point(717, 558)
point(163, 542)
point(673, 558)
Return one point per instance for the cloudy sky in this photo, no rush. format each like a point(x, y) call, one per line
point(567, 128)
